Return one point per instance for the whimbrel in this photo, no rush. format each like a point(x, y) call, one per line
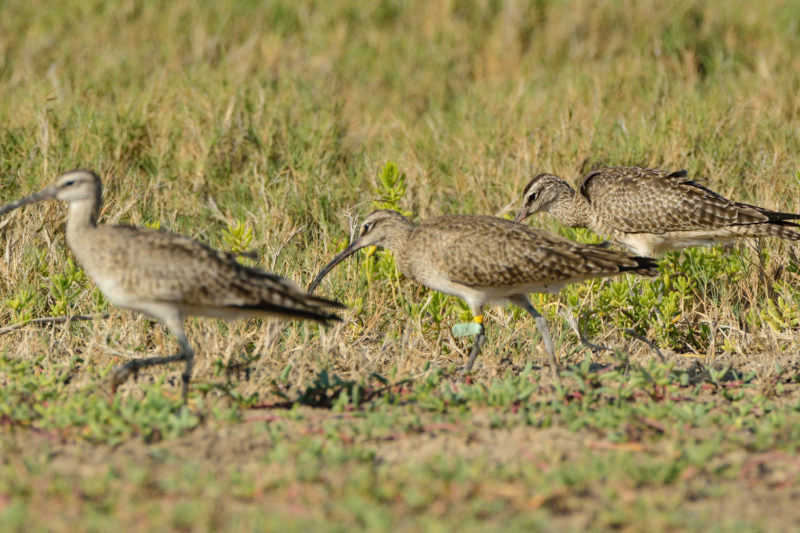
point(652, 211)
point(484, 259)
point(167, 276)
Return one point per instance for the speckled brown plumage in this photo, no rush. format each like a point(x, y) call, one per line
point(652, 211)
point(484, 259)
point(168, 276)
point(485, 251)
point(158, 266)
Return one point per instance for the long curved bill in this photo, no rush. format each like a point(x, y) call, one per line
point(45, 194)
point(354, 247)
point(522, 214)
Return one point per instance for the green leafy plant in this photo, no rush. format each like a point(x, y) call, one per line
point(22, 305)
point(237, 236)
point(65, 289)
point(392, 188)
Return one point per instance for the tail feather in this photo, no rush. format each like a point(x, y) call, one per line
point(780, 229)
point(645, 266)
point(305, 313)
point(615, 262)
point(281, 296)
point(777, 216)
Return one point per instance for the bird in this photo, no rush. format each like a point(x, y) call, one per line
point(652, 211)
point(168, 276)
point(485, 259)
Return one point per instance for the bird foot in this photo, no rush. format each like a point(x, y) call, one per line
point(120, 374)
point(464, 370)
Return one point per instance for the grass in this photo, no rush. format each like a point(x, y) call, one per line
point(269, 127)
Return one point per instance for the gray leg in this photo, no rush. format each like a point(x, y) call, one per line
point(188, 353)
point(476, 349)
point(477, 317)
point(573, 323)
point(174, 324)
point(541, 324)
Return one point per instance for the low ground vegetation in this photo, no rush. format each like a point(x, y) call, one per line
point(272, 128)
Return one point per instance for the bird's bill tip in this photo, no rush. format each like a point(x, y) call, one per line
point(335, 261)
point(522, 214)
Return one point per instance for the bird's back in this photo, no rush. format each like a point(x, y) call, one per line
point(133, 264)
point(489, 251)
point(641, 200)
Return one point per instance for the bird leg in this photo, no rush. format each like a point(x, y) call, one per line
point(573, 324)
point(541, 324)
point(187, 370)
point(123, 372)
point(636, 335)
point(478, 345)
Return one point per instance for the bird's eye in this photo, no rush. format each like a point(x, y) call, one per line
point(533, 196)
point(366, 227)
point(69, 183)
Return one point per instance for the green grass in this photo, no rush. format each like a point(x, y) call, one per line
point(268, 127)
point(620, 448)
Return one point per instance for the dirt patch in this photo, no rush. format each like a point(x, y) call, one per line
point(763, 494)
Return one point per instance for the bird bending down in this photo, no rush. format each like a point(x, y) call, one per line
point(167, 276)
point(484, 259)
point(652, 211)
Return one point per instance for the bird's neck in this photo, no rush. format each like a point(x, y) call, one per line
point(398, 242)
point(82, 217)
point(570, 210)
